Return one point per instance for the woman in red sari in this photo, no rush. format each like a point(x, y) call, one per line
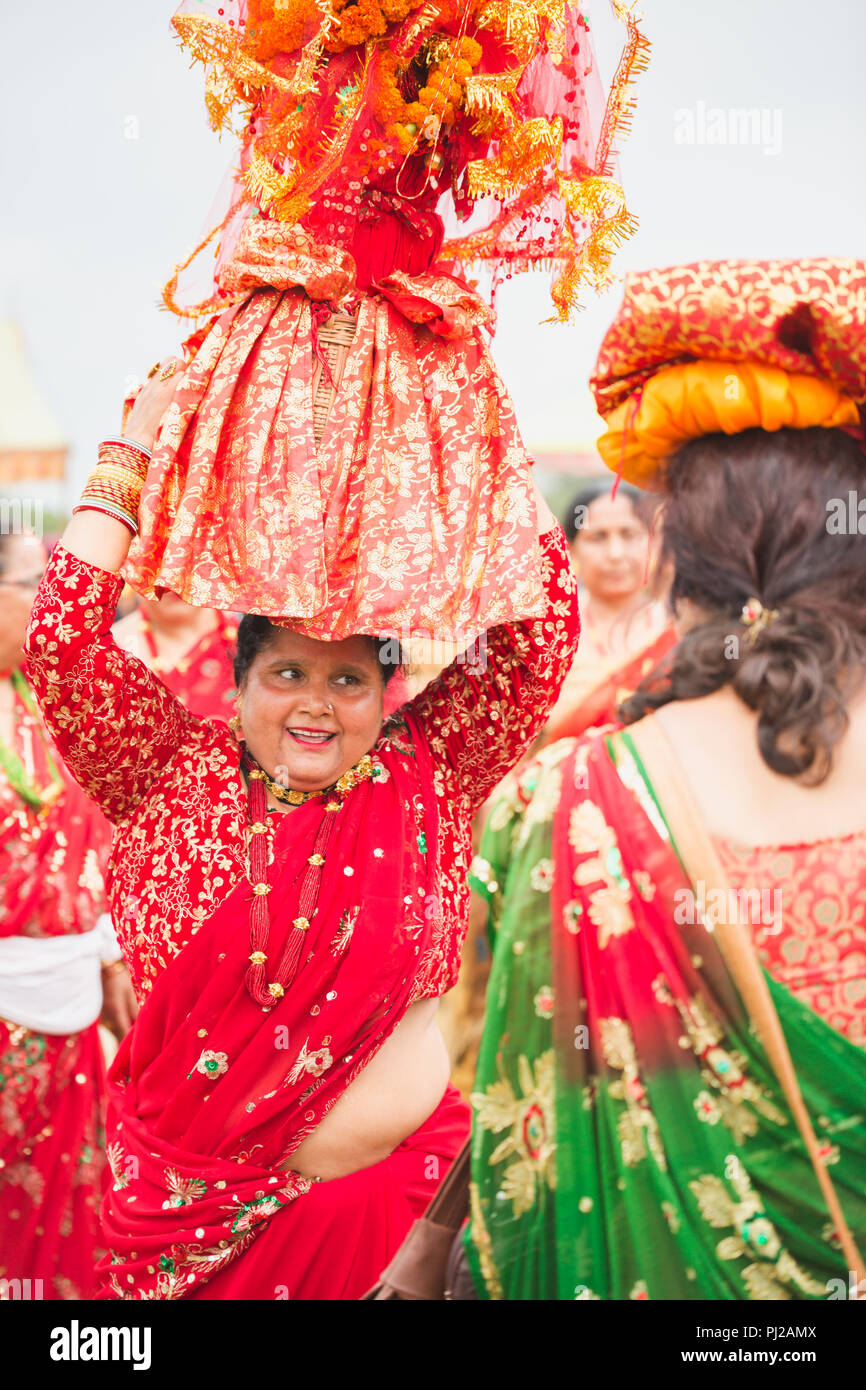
point(53, 851)
point(291, 903)
point(190, 649)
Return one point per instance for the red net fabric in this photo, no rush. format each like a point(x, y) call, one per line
point(374, 122)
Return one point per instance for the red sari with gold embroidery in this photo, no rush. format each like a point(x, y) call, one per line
point(52, 1084)
point(211, 1093)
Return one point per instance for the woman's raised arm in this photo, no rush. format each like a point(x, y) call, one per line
point(485, 709)
point(95, 536)
point(114, 722)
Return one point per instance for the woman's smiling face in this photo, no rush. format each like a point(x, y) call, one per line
point(311, 709)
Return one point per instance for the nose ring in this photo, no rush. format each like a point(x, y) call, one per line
point(330, 709)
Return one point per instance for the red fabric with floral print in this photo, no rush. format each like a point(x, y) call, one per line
point(813, 936)
point(360, 1220)
point(52, 1103)
point(52, 1088)
point(213, 1093)
point(203, 679)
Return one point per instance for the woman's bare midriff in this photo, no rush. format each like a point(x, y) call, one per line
point(392, 1097)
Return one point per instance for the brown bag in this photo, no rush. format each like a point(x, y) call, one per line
point(431, 1262)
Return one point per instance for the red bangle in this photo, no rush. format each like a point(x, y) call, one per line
point(123, 453)
point(107, 510)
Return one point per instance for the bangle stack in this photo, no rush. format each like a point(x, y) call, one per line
point(113, 967)
point(115, 485)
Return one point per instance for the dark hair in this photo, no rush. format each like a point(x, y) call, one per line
point(748, 515)
point(256, 632)
point(643, 505)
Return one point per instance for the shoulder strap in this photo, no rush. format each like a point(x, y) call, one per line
point(701, 862)
point(450, 1205)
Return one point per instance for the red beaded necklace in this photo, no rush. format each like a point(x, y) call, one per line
point(264, 990)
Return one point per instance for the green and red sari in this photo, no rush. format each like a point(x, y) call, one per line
point(630, 1138)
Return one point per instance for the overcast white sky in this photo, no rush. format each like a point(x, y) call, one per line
point(92, 222)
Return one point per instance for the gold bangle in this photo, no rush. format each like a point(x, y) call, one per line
point(118, 474)
point(110, 485)
point(114, 967)
point(126, 454)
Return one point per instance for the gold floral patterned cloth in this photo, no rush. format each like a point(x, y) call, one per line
point(817, 892)
point(795, 330)
point(414, 513)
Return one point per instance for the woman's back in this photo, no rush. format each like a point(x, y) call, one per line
point(797, 852)
point(743, 799)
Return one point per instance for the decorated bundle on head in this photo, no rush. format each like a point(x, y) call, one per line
point(341, 454)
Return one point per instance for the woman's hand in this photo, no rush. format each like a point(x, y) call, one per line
point(119, 1004)
point(99, 539)
point(152, 401)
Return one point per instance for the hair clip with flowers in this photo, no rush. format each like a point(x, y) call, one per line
point(755, 618)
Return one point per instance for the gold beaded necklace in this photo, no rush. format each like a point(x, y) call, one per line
point(361, 772)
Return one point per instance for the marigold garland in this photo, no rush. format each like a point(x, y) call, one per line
point(447, 84)
point(439, 102)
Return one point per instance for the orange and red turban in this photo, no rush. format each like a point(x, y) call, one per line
point(729, 346)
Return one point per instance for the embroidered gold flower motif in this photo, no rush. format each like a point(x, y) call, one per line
point(182, 1191)
point(588, 830)
point(661, 990)
point(706, 1108)
point(571, 915)
point(637, 1125)
point(671, 1217)
point(114, 1153)
point(314, 1063)
point(212, 1064)
point(529, 1116)
point(754, 1235)
point(610, 912)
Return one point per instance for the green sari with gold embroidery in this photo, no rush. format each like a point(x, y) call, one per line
point(630, 1139)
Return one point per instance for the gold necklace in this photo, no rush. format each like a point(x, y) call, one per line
point(361, 772)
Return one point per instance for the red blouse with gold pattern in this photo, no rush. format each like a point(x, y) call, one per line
point(172, 782)
point(811, 931)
